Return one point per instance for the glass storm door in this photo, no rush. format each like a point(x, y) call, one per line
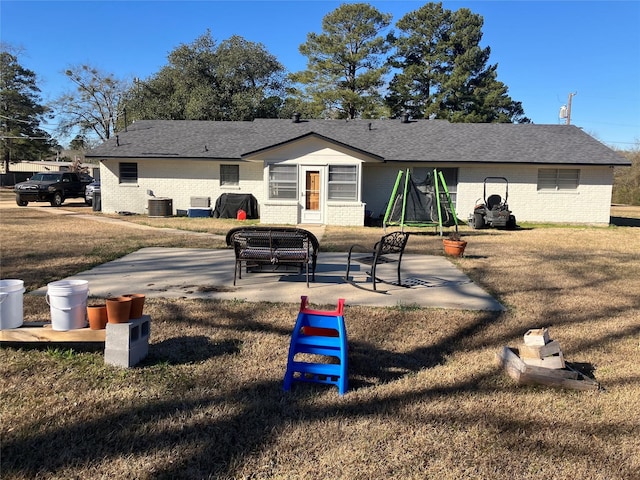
point(311, 194)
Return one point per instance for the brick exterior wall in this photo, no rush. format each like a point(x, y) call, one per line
point(377, 184)
point(589, 203)
point(346, 214)
point(182, 179)
point(278, 212)
point(178, 180)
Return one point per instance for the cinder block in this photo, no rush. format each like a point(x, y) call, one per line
point(127, 344)
point(126, 357)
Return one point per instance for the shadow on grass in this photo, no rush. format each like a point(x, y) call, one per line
point(218, 429)
point(185, 350)
point(585, 368)
point(263, 408)
point(369, 365)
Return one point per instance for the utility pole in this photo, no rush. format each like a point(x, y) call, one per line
point(571, 95)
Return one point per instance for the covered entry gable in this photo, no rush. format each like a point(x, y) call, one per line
point(312, 179)
point(307, 144)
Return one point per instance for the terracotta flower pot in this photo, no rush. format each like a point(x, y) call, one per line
point(137, 304)
point(97, 315)
point(118, 309)
point(454, 248)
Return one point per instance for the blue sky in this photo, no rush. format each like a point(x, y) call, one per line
point(544, 49)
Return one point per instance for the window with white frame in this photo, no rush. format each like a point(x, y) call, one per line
point(554, 179)
point(283, 182)
point(128, 172)
point(229, 175)
point(343, 182)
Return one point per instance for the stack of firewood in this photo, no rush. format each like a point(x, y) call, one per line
point(539, 350)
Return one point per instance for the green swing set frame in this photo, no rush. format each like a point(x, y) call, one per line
point(441, 194)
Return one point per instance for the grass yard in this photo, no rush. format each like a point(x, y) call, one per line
point(426, 399)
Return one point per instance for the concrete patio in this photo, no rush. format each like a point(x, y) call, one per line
point(204, 273)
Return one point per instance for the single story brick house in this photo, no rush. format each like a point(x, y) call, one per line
point(334, 172)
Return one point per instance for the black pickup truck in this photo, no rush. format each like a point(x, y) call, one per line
point(52, 187)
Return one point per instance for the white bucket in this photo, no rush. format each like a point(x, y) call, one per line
point(68, 302)
point(11, 303)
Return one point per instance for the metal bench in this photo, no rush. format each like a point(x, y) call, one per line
point(264, 249)
point(390, 244)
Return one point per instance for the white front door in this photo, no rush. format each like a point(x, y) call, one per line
point(311, 194)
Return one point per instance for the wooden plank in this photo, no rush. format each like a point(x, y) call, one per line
point(42, 332)
point(531, 375)
point(539, 351)
point(552, 362)
point(509, 359)
point(549, 372)
point(537, 336)
point(505, 359)
point(577, 384)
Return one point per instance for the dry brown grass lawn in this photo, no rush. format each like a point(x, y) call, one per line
point(425, 400)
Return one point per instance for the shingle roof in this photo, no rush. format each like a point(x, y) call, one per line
point(389, 140)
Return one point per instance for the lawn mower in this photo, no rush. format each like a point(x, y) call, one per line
point(494, 212)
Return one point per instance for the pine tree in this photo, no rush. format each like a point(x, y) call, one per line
point(21, 113)
point(346, 63)
point(444, 72)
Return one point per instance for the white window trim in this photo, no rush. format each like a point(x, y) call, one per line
point(230, 185)
point(134, 183)
point(556, 188)
point(356, 182)
point(279, 199)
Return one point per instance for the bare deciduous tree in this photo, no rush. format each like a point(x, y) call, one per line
point(94, 108)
